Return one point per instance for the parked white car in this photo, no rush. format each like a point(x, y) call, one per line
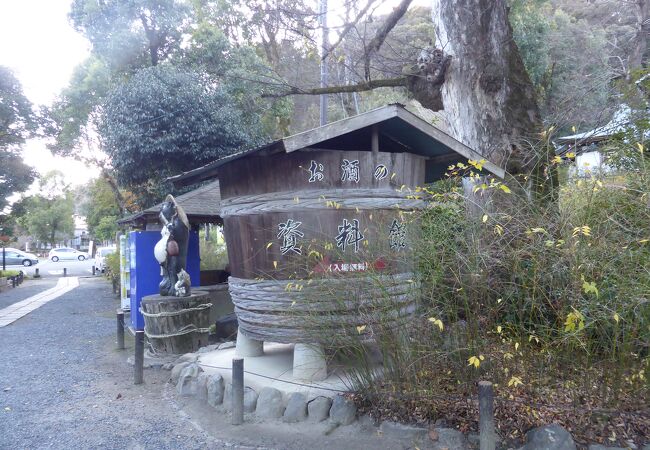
point(67, 253)
point(100, 257)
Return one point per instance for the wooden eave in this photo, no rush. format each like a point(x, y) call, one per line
point(400, 128)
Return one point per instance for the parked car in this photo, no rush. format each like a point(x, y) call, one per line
point(67, 253)
point(14, 256)
point(100, 257)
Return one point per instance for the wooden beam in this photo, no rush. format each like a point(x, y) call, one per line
point(338, 128)
point(374, 145)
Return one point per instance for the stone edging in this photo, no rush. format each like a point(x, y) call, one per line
point(191, 381)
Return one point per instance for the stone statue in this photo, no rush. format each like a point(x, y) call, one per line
point(171, 250)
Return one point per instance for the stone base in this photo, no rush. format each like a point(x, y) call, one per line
point(247, 347)
point(309, 362)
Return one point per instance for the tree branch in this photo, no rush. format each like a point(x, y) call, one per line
point(347, 28)
point(360, 87)
point(376, 42)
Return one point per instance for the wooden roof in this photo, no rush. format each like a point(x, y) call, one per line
point(201, 205)
point(399, 131)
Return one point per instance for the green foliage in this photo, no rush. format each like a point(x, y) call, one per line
point(163, 121)
point(551, 302)
point(17, 123)
point(567, 60)
point(74, 108)
point(101, 210)
point(8, 273)
point(214, 254)
point(131, 34)
point(107, 228)
point(243, 75)
point(112, 271)
point(48, 216)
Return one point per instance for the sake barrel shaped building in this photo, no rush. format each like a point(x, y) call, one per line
point(317, 228)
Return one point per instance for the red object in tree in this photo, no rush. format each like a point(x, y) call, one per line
point(4, 238)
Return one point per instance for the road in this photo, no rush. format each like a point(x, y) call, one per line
point(48, 268)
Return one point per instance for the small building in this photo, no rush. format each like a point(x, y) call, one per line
point(588, 146)
point(313, 221)
point(201, 206)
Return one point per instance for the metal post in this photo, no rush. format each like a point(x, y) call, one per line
point(139, 357)
point(120, 329)
point(237, 391)
point(36, 273)
point(4, 266)
point(486, 416)
point(13, 282)
point(93, 271)
point(65, 272)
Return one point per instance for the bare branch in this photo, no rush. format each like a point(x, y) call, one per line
point(360, 87)
point(382, 32)
point(347, 28)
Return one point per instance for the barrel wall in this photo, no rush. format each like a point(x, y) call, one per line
point(316, 215)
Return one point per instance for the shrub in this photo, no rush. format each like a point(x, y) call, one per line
point(549, 300)
point(213, 250)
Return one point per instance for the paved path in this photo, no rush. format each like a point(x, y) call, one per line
point(20, 309)
point(25, 290)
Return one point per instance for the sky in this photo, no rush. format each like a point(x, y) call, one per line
point(40, 46)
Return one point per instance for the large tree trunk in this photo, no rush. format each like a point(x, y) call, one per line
point(488, 98)
point(642, 11)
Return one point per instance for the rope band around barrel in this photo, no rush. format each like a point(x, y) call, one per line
point(177, 313)
point(320, 199)
point(185, 330)
point(290, 311)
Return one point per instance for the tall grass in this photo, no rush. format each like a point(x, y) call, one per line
point(550, 301)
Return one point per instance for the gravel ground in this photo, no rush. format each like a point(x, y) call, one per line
point(25, 290)
point(64, 385)
point(61, 378)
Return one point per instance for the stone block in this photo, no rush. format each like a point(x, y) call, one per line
point(202, 386)
point(549, 437)
point(215, 386)
point(447, 439)
point(269, 403)
point(296, 410)
point(401, 431)
point(186, 385)
point(319, 409)
point(250, 400)
point(176, 371)
point(343, 411)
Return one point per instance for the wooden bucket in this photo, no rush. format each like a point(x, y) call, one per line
point(314, 239)
point(176, 325)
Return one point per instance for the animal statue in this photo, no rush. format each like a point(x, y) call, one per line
point(171, 250)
